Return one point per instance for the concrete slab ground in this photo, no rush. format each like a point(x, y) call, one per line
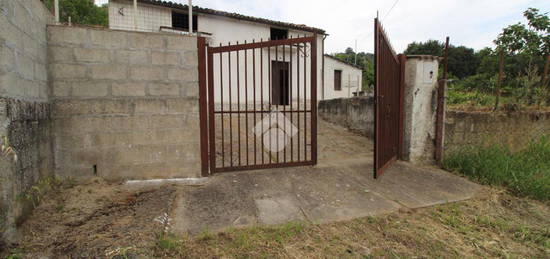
point(340, 188)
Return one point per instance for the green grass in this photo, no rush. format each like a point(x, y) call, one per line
point(524, 173)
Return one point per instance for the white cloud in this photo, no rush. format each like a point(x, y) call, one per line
point(473, 23)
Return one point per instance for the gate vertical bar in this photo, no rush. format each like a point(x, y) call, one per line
point(290, 100)
point(270, 97)
point(239, 106)
point(314, 99)
point(230, 109)
point(305, 101)
point(262, 96)
point(246, 99)
point(278, 103)
point(254, 93)
point(285, 81)
point(203, 109)
point(298, 97)
point(376, 99)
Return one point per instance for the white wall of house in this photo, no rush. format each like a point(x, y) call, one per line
point(351, 79)
point(224, 30)
point(149, 18)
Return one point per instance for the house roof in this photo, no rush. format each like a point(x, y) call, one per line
point(203, 10)
point(343, 61)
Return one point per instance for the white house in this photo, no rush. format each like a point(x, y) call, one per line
point(342, 79)
point(222, 28)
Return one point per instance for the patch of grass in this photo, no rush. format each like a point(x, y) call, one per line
point(524, 173)
point(167, 243)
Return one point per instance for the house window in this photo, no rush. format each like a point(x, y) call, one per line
point(280, 83)
point(278, 34)
point(181, 21)
point(337, 80)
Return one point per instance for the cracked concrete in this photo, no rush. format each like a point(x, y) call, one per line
point(340, 188)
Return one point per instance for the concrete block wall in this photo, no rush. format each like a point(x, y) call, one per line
point(125, 104)
point(513, 130)
point(23, 49)
point(24, 108)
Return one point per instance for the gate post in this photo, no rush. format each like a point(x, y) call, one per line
point(201, 45)
point(420, 108)
point(314, 99)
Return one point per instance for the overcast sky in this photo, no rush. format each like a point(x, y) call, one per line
point(473, 23)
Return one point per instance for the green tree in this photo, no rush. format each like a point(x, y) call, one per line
point(529, 43)
point(81, 12)
point(462, 60)
point(430, 47)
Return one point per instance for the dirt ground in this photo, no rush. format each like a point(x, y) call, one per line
point(108, 220)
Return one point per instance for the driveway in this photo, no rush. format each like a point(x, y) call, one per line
point(340, 187)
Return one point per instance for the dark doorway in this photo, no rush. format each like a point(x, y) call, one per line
point(280, 83)
point(181, 21)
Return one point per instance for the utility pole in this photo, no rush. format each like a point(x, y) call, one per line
point(135, 15)
point(355, 51)
point(500, 77)
point(56, 10)
point(190, 6)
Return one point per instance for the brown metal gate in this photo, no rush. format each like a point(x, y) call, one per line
point(389, 94)
point(261, 104)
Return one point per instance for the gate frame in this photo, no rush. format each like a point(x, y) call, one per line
point(401, 59)
point(207, 107)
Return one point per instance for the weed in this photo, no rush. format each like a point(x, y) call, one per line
point(120, 252)
point(6, 149)
point(168, 242)
point(524, 173)
point(35, 193)
point(59, 207)
point(205, 235)
point(15, 254)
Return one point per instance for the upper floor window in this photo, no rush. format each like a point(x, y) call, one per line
point(278, 34)
point(181, 21)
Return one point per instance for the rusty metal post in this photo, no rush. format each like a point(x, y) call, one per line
point(440, 116)
point(211, 117)
point(500, 77)
point(203, 118)
point(402, 61)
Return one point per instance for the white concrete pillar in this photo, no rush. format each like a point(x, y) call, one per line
point(421, 72)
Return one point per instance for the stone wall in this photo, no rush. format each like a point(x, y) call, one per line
point(125, 103)
point(24, 108)
point(513, 130)
point(356, 114)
